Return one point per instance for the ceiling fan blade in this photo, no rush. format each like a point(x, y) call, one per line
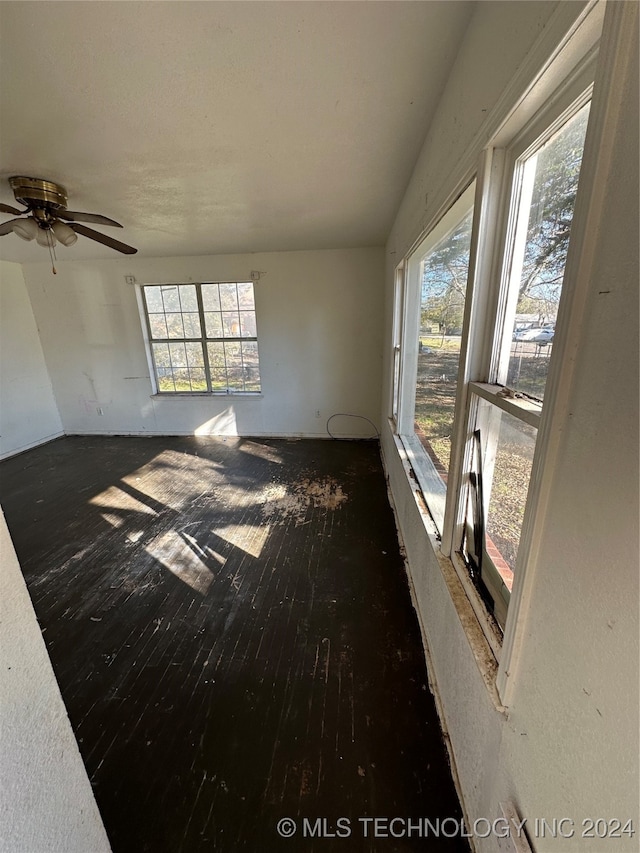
point(76, 216)
point(6, 208)
point(7, 227)
point(103, 238)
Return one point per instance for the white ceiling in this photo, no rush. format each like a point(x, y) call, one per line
point(213, 127)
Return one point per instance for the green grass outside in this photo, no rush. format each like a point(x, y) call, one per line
point(434, 409)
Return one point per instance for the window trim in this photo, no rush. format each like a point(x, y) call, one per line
point(396, 338)
point(433, 488)
point(204, 339)
point(561, 75)
point(565, 104)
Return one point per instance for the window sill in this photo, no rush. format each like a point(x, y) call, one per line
point(433, 489)
point(243, 395)
point(483, 637)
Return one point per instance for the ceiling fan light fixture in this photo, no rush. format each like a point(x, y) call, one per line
point(46, 216)
point(65, 234)
point(27, 229)
point(45, 237)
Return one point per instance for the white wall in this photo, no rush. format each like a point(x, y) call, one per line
point(568, 746)
point(498, 39)
point(28, 412)
point(47, 805)
point(320, 320)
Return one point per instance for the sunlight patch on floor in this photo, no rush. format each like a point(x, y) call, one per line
point(248, 537)
point(117, 499)
point(176, 554)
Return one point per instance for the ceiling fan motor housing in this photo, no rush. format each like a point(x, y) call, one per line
point(38, 193)
point(46, 207)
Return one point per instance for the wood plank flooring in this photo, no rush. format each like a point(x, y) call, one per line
point(231, 628)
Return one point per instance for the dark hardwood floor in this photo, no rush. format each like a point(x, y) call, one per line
point(231, 628)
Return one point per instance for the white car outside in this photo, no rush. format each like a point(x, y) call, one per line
point(536, 336)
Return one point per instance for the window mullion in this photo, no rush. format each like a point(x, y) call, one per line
point(203, 338)
point(410, 330)
point(523, 179)
point(479, 315)
point(398, 311)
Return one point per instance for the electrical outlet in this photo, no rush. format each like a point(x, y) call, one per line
point(130, 279)
point(317, 413)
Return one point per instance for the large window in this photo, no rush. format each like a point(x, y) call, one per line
point(203, 337)
point(482, 297)
point(505, 413)
point(443, 264)
point(426, 375)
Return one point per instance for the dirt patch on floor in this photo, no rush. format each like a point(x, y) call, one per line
point(293, 501)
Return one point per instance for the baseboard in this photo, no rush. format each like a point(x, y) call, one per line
point(30, 446)
point(254, 434)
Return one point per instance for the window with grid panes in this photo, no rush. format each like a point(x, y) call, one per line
point(203, 337)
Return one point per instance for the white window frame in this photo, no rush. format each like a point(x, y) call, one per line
point(430, 481)
point(396, 356)
point(203, 340)
point(564, 84)
point(502, 303)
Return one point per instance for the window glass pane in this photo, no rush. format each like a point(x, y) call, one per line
point(158, 326)
point(191, 325)
point(161, 356)
point(508, 447)
point(443, 282)
point(231, 324)
point(153, 297)
point(215, 351)
point(188, 299)
point(248, 324)
point(170, 297)
point(194, 354)
point(549, 181)
point(198, 379)
point(179, 365)
point(213, 322)
point(251, 366)
point(165, 382)
point(162, 362)
point(178, 355)
point(245, 296)
point(175, 327)
point(210, 297)
point(233, 357)
point(228, 297)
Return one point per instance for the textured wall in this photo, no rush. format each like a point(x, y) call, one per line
point(28, 414)
point(47, 804)
point(568, 745)
point(320, 318)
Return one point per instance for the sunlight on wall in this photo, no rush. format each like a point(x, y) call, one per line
point(222, 424)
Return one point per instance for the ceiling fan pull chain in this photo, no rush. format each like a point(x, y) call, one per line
point(52, 252)
point(46, 211)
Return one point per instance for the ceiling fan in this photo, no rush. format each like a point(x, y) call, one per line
point(47, 220)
